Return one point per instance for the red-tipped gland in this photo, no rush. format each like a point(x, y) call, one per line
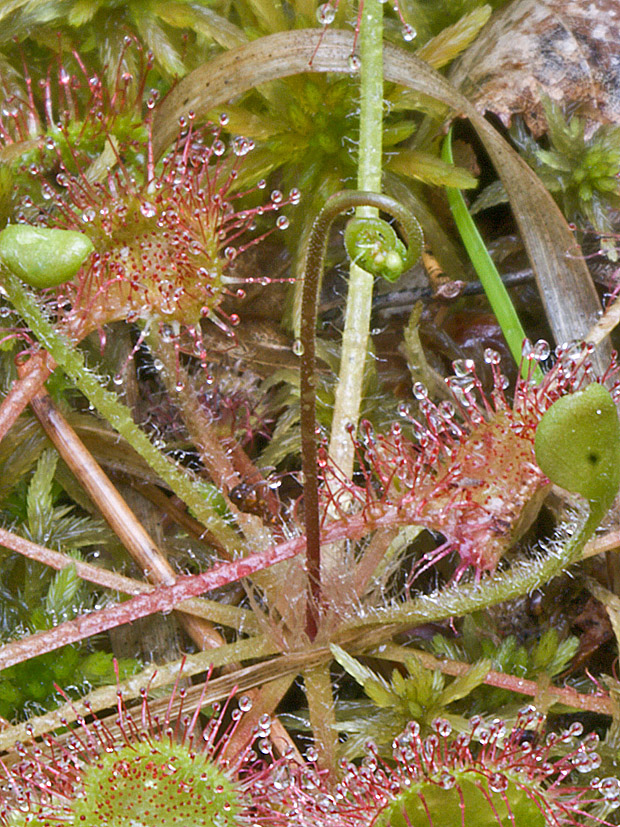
point(490, 775)
point(142, 770)
point(470, 472)
point(164, 233)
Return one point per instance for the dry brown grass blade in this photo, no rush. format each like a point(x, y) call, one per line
point(116, 511)
point(566, 288)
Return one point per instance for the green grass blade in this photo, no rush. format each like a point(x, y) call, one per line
point(490, 279)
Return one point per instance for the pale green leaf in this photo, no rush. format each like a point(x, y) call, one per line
point(202, 20)
point(61, 595)
point(428, 168)
point(39, 499)
point(451, 41)
point(82, 12)
point(462, 685)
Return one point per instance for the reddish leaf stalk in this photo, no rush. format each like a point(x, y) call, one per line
point(212, 453)
point(164, 599)
point(599, 703)
point(32, 378)
point(87, 571)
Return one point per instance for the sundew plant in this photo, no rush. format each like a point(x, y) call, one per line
point(275, 409)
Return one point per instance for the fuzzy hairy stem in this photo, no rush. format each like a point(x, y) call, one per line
point(162, 599)
point(212, 610)
point(464, 598)
point(355, 641)
point(321, 709)
point(217, 457)
point(154, 676)
point(69, 358)
point(32, 378)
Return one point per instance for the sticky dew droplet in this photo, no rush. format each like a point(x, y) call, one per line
point(325, 14)
point(491, 357)
point(147, 209)
point(542, 350)
point(241, 146)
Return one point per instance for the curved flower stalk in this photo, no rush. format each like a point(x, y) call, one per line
point(538, 217)
point(143, 770)
point(470, 472)
point(373, 243)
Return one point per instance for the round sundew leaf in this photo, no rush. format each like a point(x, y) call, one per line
point(149, 783)
point(577, 445)
point(43, 257)
point(468, 803)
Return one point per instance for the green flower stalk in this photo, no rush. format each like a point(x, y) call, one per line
point(376, 242)
point(359, 299)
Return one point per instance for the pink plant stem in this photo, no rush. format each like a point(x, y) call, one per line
point(602, 704)
point(32, 378)
point(164, 599)
point(371, 558)
point(117, 513)
point(215, 453)
point(94, 574)
point(214, 456)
